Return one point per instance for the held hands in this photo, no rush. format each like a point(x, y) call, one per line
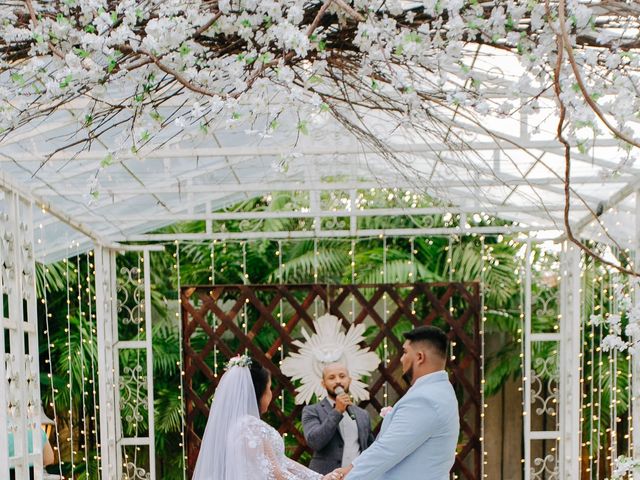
point(338, 473)
point(342, 402)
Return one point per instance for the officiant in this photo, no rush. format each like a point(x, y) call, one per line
point(335, 429)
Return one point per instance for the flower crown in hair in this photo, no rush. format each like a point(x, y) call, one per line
point(239, 361)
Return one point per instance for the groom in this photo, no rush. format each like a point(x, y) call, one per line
point(418, 437)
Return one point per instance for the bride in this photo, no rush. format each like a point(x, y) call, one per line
point(237, 445)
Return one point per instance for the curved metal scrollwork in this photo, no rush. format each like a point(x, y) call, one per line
point(546, 367)
point(13, 392)
point(28, 265)
point(33, 393)
point(335, 223)
point(252, 225)
point(426, 221)
point(545, 303)
point(130, 296)
point(132, 472)
point(133, 387)
point(545, 468)
point(545, 371)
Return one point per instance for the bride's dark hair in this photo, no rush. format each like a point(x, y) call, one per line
point(260, 378)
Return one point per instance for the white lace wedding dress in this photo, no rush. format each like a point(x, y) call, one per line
point(265, 455)
point(236, 444)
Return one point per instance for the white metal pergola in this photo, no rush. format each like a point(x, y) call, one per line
point(519, 177)
point(73, 198)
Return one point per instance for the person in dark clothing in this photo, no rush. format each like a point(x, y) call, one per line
point(336, 430)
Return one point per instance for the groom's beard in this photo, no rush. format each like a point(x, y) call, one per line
point(408, 376)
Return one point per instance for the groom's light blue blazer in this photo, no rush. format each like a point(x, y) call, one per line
point(418, 438)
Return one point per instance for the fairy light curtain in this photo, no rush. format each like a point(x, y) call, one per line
point(610, 351)
point(606, 349)
point(224, 319)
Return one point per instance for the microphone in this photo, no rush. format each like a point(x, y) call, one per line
point(339, 391)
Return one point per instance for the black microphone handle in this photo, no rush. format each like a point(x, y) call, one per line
point(339, 390)
point(351, 413)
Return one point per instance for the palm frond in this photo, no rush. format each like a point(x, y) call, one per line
point(499, 275)
point(168, 407)
point(328, 263)
point(52, 275)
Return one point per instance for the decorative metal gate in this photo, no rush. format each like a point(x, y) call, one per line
point(220, 322)
point(551, 379)
point(125, 361)
point(19, 368)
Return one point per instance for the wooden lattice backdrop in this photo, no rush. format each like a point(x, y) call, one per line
point(215, 317)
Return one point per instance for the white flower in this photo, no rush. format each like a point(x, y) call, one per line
point(197, 110)
point(285, 74)
point(15, 35)
point(613, 61)
point(613, 342)
point(430, 7)
point(240, 361)
point(454, 6)
point(290, 37)
point(395, 7)
point(634, 313)
point(624, 465)
point(537, 16)
point(605, 36)
point(458, 98)
point(614, 324)
point(497, 19)
point(224, 6)
point(506, 107)
point(596, 320)
point(102, 22)
point(591, 57)
point(513, 38)
point(385, 411)
point(625, 303)
point(482, 108)
point(582, 14)
point(632, 331)
point(295, 15)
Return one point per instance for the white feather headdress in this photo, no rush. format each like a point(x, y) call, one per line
point(329, 345)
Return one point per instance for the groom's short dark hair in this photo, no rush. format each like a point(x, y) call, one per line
point(432, 336)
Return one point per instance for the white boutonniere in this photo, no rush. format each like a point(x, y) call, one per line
point(385, 411)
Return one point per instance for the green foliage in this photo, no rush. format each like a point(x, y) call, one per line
point(301, 260)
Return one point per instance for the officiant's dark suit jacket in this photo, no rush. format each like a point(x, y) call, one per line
point(320, 424)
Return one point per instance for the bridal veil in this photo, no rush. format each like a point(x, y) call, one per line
point(234, 401)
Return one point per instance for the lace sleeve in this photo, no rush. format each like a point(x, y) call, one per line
point(300, 472)
point(265, 458)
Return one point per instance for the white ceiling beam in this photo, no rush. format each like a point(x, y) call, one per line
point(174, 182)
point(541, 212)
point(55, 251)
point(382, 212)
point(36, 132)
point(402, 183)
point(506, 181)
point(509, 180)
point(399, 232)
point(507, 142)
point(8, 183)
